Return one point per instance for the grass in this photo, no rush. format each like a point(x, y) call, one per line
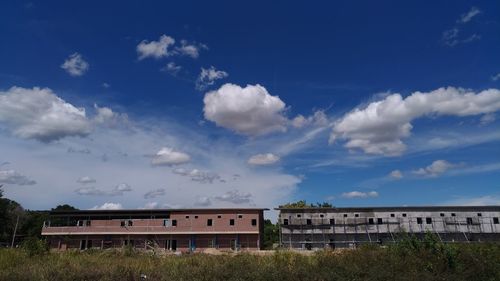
point(408, 260)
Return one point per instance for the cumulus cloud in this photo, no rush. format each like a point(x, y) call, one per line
point(108, 206)
point(235, 197)
point(86, 180)
point(435, 169)
point(14, 177)
point(263, 159)
point(155, 49)
point(396, 174)
point(318, 118)
point(380, 127)
point(250, 111)
point(190, 49)
point(75, 65)
point(359, 194)
point(172, 68)
point(465, 18)
point(154, 193)
point(197, 175)
point(203, 201)
point(118, 190)
point(168, 157)
point(39, 114)
point(106, 116)
point(208, 76)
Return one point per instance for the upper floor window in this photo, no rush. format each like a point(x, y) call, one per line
point(495, 220)
point(130, 223)
point(219, 216)
point(231, 222)
point(240, 216)
point(442, 214)
point(379, 220)
point(187, 217)
point(419, 220)
point(332, 221)
point(428, 220)
point(370, 221)
point(469, 220)
point(479, 214)
point(345, 215)
point(174, 222)
point(404, 215)
point(285, 221)
point(356, 215)
point(392, 215)
point(299, 215)
point(321, 215)
point(308, 221)
point(195, 217)
point(254, 222)
point(87, 223)
point(453, 214)
point(209, 222)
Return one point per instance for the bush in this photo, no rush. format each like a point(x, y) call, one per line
point(34, 246)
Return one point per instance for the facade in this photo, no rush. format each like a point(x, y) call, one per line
point(317, 228)
point(176, 230)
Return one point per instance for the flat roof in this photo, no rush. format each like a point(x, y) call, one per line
point(148, 211)
point(395, 208)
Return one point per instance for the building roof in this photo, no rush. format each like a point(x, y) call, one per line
point(394, 208)
point(148, 211)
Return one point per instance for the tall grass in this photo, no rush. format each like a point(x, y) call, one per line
point(409, 260)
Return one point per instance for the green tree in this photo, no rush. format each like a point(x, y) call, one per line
point(271, 234)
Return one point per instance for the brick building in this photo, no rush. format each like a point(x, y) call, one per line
point(184, 230)
point(317, 228)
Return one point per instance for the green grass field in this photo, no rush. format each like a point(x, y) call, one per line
point(409, 260)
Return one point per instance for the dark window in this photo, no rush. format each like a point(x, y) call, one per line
point(209, 222)
point(231, 222)
point(79, 223)
point(174, 222)
point(219, 216)
point(130, 223)
point(356, 215)
point(122, 223)
point(345, 215)
point(87, 223)
point(379, 221)
point(469, 220)
point(321, 216)
point(419, 220)
point(187, 217)
point(392, 215)
point(370, 221)
point(254, 222)
point(452, 214)
point(308, 221)
point(332, 221)
point(285, 222)
point(442, 214)
point(495, 220)
point(404, 215)
point(428, 220)
point(240, 216)
point(195, 217)
point(298, 215)
point(479, 214)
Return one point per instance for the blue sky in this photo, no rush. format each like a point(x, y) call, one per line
point(222, 104)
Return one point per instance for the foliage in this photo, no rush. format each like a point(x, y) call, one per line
point(64, 207)
point(34, 246)
point(303, 204)
point(271, 234)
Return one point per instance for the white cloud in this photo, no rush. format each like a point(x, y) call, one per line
point(487, 118)
point(14, 177)
point(197, 175)
point(465, 18)
point(86, 180)
point(118, 190)
point(474, 201)
point(108, 206)
point(208, 76)
point(435, 169)
point(154, 193)
point(172, 68)
point(318, 118)
point(190, 49)
point(263, 159)
point(235, 197)
point(495, 77)
point(155, 49)
point(396, 174)
point(39, 114)
point(75, 65)
point(203, 201)
point(250, 111)
point(168, 157)
point(380, 127)
point(359, 194)
point(150, 205)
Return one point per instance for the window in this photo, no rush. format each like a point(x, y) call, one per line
point(187, 217)
point(195, 217)
point(219, 216)
point(87, 223)
point(254, 222)
point(356, 215)
point(240, 216)
point(209, 222)
point(122, 223)
point(392, 215)
point(285, 221)
point(79, 223)
point(370, 221)
point(298, 216)
point(419, 220)
point(469, 221)
point(479, 214)
point(308, 221)
point(321, 216)
point(231, 222)
point(345, 215)
point(332, 221)
point(452, 214)
point(442, 214)
point(404, 215)
point(428, 220)
point(174, 222)
point(379, 221)
point(495, 220)
point(130, 223)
